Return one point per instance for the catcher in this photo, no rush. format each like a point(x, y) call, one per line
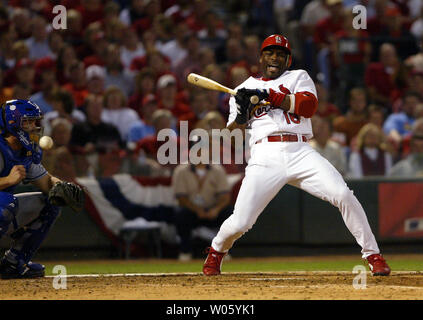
point(27, 217)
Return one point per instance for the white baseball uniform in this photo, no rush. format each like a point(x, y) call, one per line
point(274, 164)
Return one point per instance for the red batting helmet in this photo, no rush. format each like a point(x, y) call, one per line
point(280, 41)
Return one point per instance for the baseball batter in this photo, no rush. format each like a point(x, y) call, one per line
point(281, 155)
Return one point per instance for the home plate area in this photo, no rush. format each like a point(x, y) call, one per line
point(321, 285)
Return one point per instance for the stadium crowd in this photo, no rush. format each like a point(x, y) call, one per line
point(115, 77)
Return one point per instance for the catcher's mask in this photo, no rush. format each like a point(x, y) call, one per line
point(22, 119)
point(278, 41)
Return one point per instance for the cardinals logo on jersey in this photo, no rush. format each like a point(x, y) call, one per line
point(262, 111)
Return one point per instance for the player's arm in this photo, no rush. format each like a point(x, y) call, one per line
point(16, 175)
point(301, 103)
point(46, 182)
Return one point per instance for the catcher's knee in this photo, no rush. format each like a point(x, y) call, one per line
point(9, 206)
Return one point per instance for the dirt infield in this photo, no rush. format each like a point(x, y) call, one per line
point(228, 286)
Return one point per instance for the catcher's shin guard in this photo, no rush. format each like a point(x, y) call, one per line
point(29, 238)
point(8, 208)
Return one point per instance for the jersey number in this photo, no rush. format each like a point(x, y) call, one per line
point(291, 117)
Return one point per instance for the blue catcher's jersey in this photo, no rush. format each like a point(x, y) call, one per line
point(12, 158)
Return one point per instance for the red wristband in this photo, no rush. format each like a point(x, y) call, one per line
point(276, 98)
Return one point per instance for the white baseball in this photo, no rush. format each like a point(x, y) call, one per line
point(46, 142)
point(254, 99)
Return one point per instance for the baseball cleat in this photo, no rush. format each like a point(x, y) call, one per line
point(213, 262)
point(378, 265)
point(31, 270)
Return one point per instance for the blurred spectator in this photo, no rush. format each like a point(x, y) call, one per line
point(116, 75)
point(95, 46)
point(415, 83)
point(417, 26)
point(213, 34)
point(95, 76)
point(412, 166)
point(63, 107)
point(314, 12)
point(372, 157)
point(196, 20)
point(55, 43)
point(59, 160)
point(329, 149)
point(203, 195)
point(218, 100)
point(21, 91)
point(24, 27)
point(324, 38)
point(376, 115)
point(237, 75)
point(191, 62)
point(7, 57)
point(347, 126)
point(175, 49)
point(234, 53)
point(5, 92)
point(163, 28)
point(77, 84)
point(64, 61)
point(145, 81)
point(395, 30)
point(281, 12)
point(199, 105)
point(252, 54)
point(144, 126)
point(38, 42)
point(151, 9)
point(94, 135)
point(22, 73)
point(45, 77)
point(131, 48)
point(73, 35)
point(20, 51)
point(91, 11)
point(351, 54)
point(325, 109)
point(146, 149)
point(114, 30)
point(116, 111)
point(133, 12)
point(398, 125)
point(385, 80)
point(168, 96)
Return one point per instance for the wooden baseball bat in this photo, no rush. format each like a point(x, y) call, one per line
point(207, 83)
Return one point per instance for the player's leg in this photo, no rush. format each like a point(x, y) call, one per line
point(264, 177)
point(315, 175)
point(34, 217)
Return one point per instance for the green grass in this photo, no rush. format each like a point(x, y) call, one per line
point(236, 265)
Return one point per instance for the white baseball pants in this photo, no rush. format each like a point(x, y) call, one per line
point(274, 164)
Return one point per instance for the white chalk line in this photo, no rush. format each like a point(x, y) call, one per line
point(164, 274)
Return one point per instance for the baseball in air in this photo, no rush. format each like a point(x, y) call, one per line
point(46, 142)
point(254, 99)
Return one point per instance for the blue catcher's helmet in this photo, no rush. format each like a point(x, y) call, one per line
point(22, 119)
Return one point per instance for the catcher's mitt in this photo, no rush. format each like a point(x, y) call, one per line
point(67, 194)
